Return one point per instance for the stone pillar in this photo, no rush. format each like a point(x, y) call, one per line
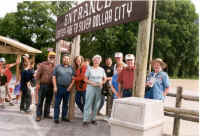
point(135, 116)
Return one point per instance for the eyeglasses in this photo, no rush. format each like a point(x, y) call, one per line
point(52, 57)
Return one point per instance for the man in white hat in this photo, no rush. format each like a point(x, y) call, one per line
point(157, 81)
point(118, 59)
point(126, 77)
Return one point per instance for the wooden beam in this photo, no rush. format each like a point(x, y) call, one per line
point(181, 111)
point(176, 127)
point(152, 34)
point(10, 50)
point(182, 116)
point(58, 52)
point(185, 97)
point(18, 69)
point(75, 51)
point(142, 53)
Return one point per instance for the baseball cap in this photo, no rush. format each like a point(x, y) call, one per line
point(2, 59)
point(129, 57)
point(51, 53)
point(26, 55)
point(118, 54)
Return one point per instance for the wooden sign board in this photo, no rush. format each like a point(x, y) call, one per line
point(65, 47)
point(95, 15)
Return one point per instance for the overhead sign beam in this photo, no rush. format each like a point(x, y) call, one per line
point(90, 16)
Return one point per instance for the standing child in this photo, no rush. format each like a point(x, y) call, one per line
point(3, 83)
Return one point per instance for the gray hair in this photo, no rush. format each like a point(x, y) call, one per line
point(97, 56)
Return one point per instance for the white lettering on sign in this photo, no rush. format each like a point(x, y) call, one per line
point(107, 3)
point(120, 11)
point(94, 15)
point(129, 8)
point(102, 18)
point(61, 32)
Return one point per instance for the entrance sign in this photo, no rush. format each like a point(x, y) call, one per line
point(95, 15)
point(65, 47)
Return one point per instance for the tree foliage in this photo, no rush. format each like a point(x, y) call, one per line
point(176, 33)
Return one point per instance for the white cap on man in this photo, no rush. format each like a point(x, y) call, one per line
point(118, 55)
point(26, 55)
point(129, 57)
point(2, 59)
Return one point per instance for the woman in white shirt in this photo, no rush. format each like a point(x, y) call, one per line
point(95, 77)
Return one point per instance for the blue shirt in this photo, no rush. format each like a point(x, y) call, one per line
point(63, 75)
point(115, 84)
point(160, 84)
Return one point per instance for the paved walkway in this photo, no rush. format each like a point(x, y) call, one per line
point(15, 123)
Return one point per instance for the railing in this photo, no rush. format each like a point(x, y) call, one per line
point(179, 113)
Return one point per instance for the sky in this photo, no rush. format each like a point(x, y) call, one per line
point(7, 6)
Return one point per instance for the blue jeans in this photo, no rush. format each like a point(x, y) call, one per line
point(80, 99)
point(127, 92)
point(62, 94)
point(45, 92)
point(92, 103)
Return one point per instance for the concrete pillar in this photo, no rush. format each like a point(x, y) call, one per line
point(135, 116)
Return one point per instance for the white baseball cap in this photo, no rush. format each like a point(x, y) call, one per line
point(118, 54)
point(129, 57)
point(26, 55)
point(2, 59)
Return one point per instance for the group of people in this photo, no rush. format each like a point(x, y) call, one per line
point(90, 84)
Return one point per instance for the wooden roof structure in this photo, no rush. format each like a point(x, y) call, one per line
point(10, 46)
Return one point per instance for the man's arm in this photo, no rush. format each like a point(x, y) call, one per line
point(70, 86)
point(166, 91)
point(54, 84)
point(119, 90)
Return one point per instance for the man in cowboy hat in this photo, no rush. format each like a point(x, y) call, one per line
point(157, 81)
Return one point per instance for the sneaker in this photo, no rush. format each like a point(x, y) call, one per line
point(85, 124)
point(48, 117)
point(38, 118)
point(94, 122)
point(7, 100)
point(11, 104)
point(27, 111)
point(65, 120)
point(56, 121)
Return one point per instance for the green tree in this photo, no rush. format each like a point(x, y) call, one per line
point(176, 37)
point(34, 24)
